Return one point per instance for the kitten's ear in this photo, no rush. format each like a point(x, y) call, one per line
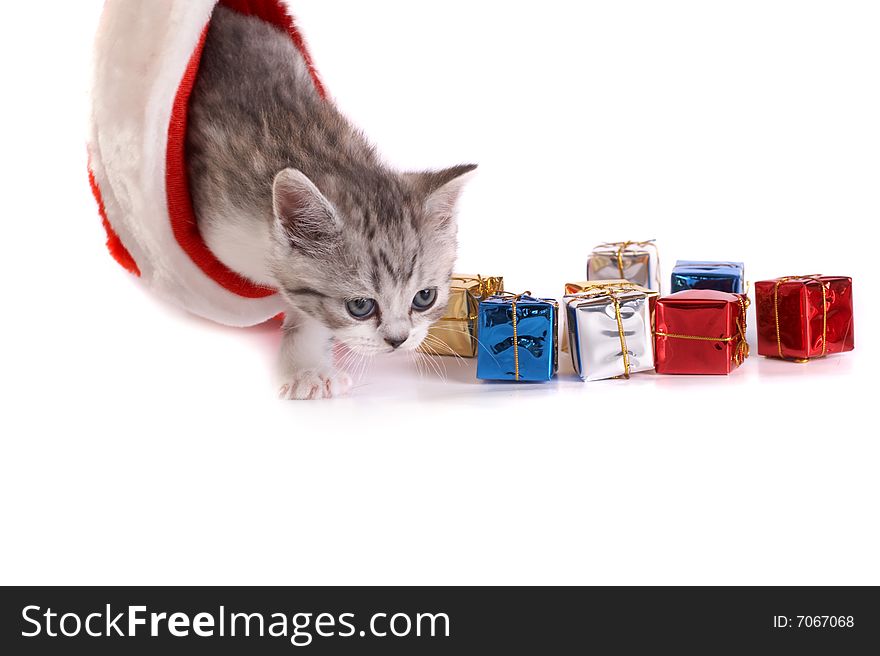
point(305, 217)
point(442, 190)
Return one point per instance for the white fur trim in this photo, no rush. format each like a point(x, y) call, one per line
point(142, 50)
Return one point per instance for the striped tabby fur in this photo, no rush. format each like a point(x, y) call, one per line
point(289, 194)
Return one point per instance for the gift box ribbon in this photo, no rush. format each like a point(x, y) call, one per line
point(613, 291)
point(513, 300)
point(813, 277)
point(621, 247)
point(486, 287)
point(741, 352)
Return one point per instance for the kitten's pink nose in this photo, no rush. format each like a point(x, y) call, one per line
point(394, 342)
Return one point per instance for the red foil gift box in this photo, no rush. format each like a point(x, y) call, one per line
point(700, 331)
point(804, 317)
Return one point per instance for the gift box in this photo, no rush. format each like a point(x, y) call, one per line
point(635, 261)
point(456, 332)
point(609, 330)
point(720, 276)
point(517, 338)
point(804, 317)
point(700, 331)
point(572, 288)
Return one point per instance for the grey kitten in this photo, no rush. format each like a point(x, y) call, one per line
point(290, 195)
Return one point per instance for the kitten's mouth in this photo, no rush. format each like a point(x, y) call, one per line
point(410, 345)
point(371, 348)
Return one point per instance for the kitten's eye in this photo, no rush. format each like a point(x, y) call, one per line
point(361, 308)
point(424, 299)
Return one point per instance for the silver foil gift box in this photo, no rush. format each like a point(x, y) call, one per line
point(609, 330)
point(635, 261)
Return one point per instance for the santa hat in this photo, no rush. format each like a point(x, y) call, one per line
point(147, 57)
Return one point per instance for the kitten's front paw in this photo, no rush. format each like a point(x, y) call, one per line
point(315, 385)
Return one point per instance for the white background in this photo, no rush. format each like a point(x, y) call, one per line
point(142, 446)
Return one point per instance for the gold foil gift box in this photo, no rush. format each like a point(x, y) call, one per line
point(456, 332)
point(635, 261)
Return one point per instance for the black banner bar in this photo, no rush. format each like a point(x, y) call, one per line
point(447, 620)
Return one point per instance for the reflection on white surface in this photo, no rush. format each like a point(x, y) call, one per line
point(397, 378)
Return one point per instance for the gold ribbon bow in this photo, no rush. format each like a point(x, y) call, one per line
point(621, 247)
point(485, 286)
point(741, 351)
point(612, 290)
point(814, 277)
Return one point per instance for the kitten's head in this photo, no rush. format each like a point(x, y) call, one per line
point(370, 258)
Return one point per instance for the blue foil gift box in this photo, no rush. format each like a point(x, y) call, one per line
point(720, 276)
point(517, 338)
